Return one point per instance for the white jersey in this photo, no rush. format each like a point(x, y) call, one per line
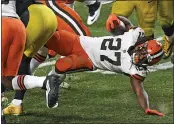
point(111, 52)
point(9, 8)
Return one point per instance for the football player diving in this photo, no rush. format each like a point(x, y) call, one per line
point(128, 54)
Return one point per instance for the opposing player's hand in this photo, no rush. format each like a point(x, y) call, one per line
point(153, 112)
point(112, 22)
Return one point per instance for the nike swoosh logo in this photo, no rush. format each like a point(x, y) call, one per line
point(94, 17)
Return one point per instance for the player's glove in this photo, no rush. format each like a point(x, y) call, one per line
point(112, 22)
point(153, 112)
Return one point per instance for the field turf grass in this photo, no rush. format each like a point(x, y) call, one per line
point(98, 98)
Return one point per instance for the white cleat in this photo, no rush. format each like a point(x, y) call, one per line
point(94, 12)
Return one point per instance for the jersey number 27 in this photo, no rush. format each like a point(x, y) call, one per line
point(111, 47)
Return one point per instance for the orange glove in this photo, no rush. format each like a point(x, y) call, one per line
point(112, 22)
point(153, 112)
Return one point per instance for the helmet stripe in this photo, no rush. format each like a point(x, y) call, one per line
point(157, 54)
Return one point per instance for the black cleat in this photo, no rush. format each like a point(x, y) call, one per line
point(51, 85)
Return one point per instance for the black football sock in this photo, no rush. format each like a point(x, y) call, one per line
point(169, 31)
point(19, 94)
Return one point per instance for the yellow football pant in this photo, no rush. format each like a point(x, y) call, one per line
point(145, 12)
point(41, 26)
point(166, 12)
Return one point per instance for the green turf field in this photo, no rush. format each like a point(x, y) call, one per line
point(98, 98)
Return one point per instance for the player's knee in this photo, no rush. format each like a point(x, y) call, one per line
point(63, 64)
point(24, 67)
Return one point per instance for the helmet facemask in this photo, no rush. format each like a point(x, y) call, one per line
point(139, 56)
point(147, 54)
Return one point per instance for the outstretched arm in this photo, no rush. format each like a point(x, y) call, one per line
point(142, 97)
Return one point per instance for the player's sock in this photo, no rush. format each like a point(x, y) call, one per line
point(168, 40)
point(25, 66)
point(23, 82)
point(169, 31)
point(39, 58)
point(36, 61)
point(19, 96)
point(16, 102)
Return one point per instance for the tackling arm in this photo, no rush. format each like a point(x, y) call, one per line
point(142, 97)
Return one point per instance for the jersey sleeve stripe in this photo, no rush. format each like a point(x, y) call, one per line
point(39, 58)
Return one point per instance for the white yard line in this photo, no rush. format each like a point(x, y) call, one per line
point(105, 2)
point(162, 66)
point(47, 64)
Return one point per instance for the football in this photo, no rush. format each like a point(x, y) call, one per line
point(120, 28)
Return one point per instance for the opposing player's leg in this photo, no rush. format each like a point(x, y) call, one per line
point(45, 23)
point(146, 13)
point(123, 8)
point(166, 16)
